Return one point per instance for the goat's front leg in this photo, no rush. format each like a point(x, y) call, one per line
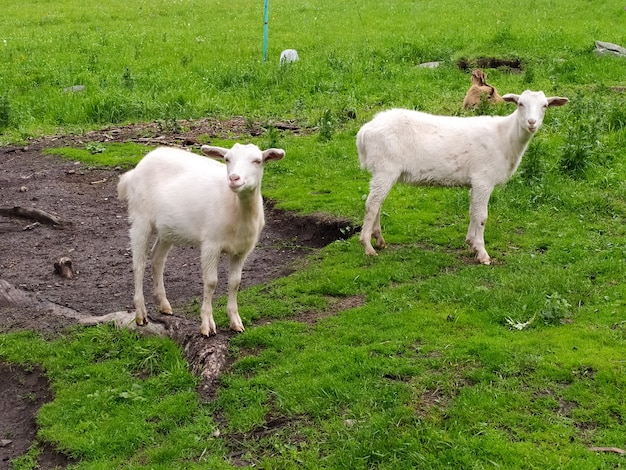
point(479, 202)
point(234, 280)
point(210, 261)
point(159, 255)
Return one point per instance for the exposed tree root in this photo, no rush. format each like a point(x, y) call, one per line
point(31, 213)
point(64, 268)
point(207, 357)
point(615, 450)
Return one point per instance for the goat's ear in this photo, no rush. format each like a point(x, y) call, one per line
point(511, 98)
point(211, 151)
point(273, 154)
point(480, 76)
point(557, 101)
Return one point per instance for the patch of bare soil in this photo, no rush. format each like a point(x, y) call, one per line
point(512, 65)
point(22, 392)
point(94, 235)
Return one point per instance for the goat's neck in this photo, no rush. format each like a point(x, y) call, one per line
point(250, 202)
point(517, 137)
point(515, 140)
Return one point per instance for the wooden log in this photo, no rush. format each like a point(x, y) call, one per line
point(11, 296)
point(63, 268)
point(615, 450)
point(31, 213)
point(207, 356)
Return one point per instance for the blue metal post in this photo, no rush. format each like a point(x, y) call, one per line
point(265, 29)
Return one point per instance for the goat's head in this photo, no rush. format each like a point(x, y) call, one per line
point(244, 164)
point(478, 77)
point(531, 107)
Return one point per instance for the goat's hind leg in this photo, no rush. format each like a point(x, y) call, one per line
point(380, 185)
point(139, 239)
point(160, 249)
point(377, 232)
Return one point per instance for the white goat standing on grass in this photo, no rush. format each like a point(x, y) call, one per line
point(190, 199)
point(423, 149)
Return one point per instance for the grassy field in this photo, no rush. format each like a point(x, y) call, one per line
point(440, 363)
point(186, 59)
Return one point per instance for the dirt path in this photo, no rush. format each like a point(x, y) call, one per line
point(95, 237)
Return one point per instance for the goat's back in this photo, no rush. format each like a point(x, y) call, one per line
point(429, 148)
point(176, 192)
point(170, 173)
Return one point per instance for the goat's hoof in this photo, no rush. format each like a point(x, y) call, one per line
point(141, 321)
point(208, 332)
point(486, 261)
point(369, 251)
point(164, 305)
point(237, 328)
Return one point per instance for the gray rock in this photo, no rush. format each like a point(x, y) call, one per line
point(288, 56)
point(75, 89)
point(609, 48)
point(430, 65)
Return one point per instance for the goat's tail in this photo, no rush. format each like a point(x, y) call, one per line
point(361, 148)
point(123, 185)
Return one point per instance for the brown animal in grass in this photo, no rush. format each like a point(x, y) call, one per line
point(480, 88)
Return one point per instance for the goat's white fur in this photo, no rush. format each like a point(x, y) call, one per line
point(423, 149)
point(189, 199)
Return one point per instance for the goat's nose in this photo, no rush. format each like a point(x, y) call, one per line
point(532, 122)
point(234, 177)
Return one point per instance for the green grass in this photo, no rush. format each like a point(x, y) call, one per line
point(189, 59)
point(426, 369)
point(125, 155)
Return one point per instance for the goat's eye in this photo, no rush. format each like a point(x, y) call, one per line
point(227, 160)
point(521, 105)
point(256, 162)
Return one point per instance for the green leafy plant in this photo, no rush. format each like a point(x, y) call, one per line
point(272, 136)
point(583, 143)
point(94, 147)
point(556, 309)
point(127, 79)
point(326, 125)
point(5, 112)
point(169, 126)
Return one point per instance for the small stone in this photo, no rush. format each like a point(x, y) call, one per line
point(75, 89)
point(609, 48)
point(288, 56)
point(5, 442)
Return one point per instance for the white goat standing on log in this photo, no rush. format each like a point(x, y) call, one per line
point(423, 149)
point(190, 199)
